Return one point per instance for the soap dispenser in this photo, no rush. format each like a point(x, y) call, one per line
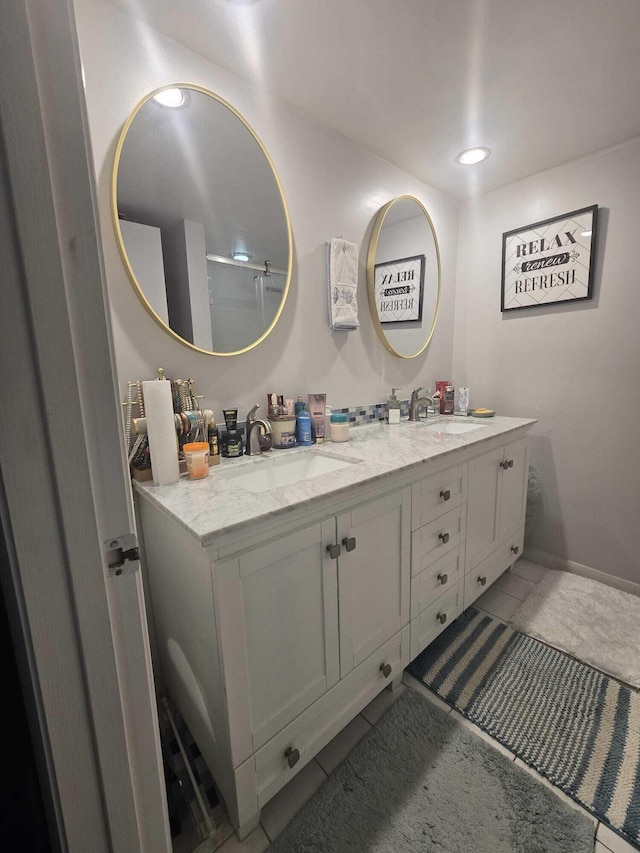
point(393, 408)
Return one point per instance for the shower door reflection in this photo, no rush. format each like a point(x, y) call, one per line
point(243, 304)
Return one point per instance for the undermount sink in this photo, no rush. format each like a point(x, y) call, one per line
point(264, 474)
point(452, 427)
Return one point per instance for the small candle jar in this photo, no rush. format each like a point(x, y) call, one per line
point(339, 427)
point(283, 430)
point(197, 455)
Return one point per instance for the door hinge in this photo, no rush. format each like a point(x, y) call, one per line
point(122, 555)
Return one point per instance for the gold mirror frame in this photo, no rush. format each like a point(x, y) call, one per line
point(371, 260)
point(118, 231)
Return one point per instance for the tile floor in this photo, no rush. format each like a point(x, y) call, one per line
point(501, 601)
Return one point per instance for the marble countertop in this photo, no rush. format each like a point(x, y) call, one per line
point(218, 503)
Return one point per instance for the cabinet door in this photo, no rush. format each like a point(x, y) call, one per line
point(373, 577)
point(483, 506)
point(513, 501)
point(279, 619)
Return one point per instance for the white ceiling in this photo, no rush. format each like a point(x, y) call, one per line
point(540, 82)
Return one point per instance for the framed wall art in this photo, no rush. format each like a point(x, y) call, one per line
point(399, 287)
point(549, 262)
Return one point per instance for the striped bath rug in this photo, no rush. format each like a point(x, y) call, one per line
point(574, 725)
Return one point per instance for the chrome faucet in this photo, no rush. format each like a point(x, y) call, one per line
point(253, 425)
point(417, 402)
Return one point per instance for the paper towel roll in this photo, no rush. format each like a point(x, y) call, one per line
point(161, 431)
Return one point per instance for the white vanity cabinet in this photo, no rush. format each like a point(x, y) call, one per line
point(272, 636)
point(302, 633)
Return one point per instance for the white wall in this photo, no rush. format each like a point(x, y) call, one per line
point(332, 188)
point(574, 367)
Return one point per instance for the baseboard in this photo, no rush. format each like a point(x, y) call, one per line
point(551, 561)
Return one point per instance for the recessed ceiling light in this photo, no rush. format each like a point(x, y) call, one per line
point(170, 98)
point(240, 256)
point(585, 234)
point(471, 156)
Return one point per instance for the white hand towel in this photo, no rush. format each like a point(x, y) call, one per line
point(342, 280)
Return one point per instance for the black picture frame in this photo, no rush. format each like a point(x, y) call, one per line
point(397, 280)
point(550, 262)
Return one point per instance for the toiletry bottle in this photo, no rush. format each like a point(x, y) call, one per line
point(393, 408)
point(214, 449)
point(317, 410)
point(449, 398)
point(441, 387)
point(303, 428)
point(299, 406)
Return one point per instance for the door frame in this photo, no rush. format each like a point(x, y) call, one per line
point(79, 629)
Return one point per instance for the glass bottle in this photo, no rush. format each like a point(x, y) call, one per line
point(449, 400)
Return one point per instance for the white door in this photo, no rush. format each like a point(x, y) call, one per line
point(65, 496)
point(513, 501)
point(289, 627)
point(483, 506)
point(374, 570)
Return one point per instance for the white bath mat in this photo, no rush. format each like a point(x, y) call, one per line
point(589, 620)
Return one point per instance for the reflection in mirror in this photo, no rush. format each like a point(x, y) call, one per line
point(403, 276)
point(201, 220)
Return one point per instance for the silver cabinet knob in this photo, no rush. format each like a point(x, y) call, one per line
point(292, 755)
point(443, 578)
point(445, 495)
point(510, 463)
point(444, 537)
point(482, 581)
point(349, 543)
point(334, 551)
point(385, 669)
point(442, 618)
point(504, 464)
point(515, 549)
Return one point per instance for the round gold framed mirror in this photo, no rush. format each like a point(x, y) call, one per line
point(403, 276)
point(201, 220)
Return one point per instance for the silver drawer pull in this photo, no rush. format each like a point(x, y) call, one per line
point(444, 537)
point(334, 551)
point(504, 464)
point(443, 578)
point(349, 543)
point(385, 669)
point(445, 495)
point(292, 755)
point(442, 618)
point(515, 549)
point(482, 581)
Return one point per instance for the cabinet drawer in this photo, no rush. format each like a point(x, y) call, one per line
point(434, 581)
point(435, 619)
point(316, 726)
point(480, 579)
point(436, 539)
point(435, 495)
